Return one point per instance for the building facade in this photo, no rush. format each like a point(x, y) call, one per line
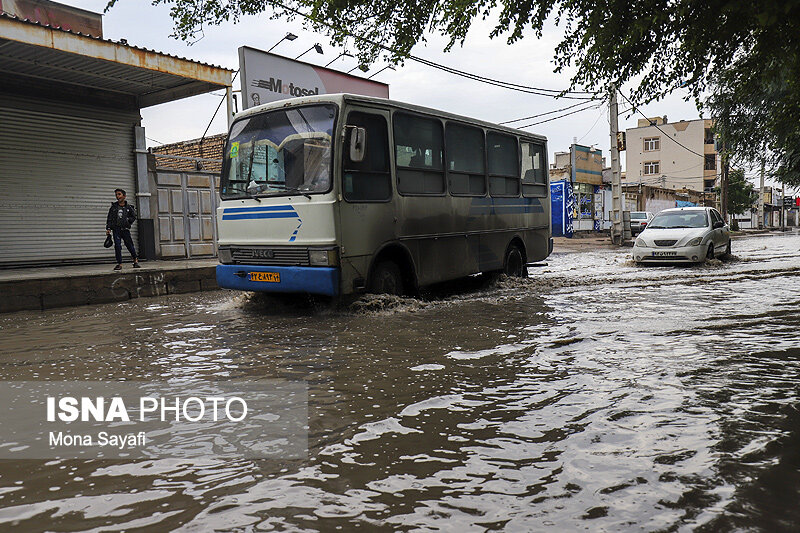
point(582, 166)
point(72, 132)
point(677, 155)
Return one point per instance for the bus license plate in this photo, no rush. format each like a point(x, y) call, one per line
point(662, 254)
point(270, 277)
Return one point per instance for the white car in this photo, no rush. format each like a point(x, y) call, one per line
point(684, 234)
point(640, 220)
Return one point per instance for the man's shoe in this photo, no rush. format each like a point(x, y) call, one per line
point(137, 265)
point(118, 267)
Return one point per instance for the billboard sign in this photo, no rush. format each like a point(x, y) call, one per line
point(268, 77)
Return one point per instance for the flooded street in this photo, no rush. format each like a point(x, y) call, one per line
point(594, 395)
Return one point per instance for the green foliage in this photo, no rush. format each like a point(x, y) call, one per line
point(742, 194)
point(740, 61)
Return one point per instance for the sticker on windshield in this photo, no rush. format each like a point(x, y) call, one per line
point(234, 149)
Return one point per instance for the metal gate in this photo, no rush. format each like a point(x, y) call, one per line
point(187, 202)
point(59, 166)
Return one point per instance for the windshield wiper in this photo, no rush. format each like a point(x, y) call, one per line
point(292, 189)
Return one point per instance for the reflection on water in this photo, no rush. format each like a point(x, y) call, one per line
point(596, 395)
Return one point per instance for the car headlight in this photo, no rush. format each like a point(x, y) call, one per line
point(640, 242)
point(695, 241)
point(323, 257)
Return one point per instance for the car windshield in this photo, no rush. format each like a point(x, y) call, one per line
point(284, 151)
point(638, 216)
point(680, 219)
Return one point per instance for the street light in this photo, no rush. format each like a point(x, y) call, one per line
point(348, 54)
point(316, 47)
point(390, 67)
point(288, 37)
point(362, 67)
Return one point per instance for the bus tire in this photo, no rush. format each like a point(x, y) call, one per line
point(514, 263)
point(386, 279)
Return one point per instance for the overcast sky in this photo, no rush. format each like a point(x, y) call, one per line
point(527, 62)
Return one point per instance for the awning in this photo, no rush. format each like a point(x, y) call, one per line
point(35, 52)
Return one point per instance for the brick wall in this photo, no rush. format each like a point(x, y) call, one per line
point(210, 148)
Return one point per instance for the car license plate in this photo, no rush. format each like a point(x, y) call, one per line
point(270, 277)
point(662, 254)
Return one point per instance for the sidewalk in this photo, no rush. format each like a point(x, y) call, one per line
point(63, 286)
point(585, 243)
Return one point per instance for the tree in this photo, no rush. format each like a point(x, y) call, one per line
point(740, 60)
point(741, 193)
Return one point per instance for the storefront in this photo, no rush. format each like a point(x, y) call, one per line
point(71, 133)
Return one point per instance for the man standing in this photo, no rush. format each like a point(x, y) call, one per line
point(120, 217)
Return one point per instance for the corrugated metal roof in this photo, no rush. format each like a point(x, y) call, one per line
point(32, 50)
point(122, 42)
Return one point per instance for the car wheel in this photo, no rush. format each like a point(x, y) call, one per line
point(710, 253)
point(386, 279)
point(514, 265)
point(728, 249)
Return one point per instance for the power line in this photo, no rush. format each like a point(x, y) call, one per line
point(602, 111)
point(542, 114)
point(561, 116)
point(539, 91)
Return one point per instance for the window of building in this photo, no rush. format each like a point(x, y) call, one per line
point(711, 162)
point(418, 155)
point(651, 144)
point(503, 164)
point(534, 176)
point(584, 200)
point(369, 180)
point(708, 136)
point(652, 167)
point(466, 160)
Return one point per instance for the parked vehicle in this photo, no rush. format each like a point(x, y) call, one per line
point(685, 234)
point(640, 220)
point(342, 194)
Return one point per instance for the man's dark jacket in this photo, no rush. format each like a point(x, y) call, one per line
point(120, 216)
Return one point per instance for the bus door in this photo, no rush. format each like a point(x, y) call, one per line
point(367, 214)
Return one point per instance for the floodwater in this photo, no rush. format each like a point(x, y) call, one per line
point(595, 395)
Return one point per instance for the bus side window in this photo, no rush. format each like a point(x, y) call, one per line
point(503, 164)
point(418, 155)
point(368, 180)
point(534, 177)
point(466, 165)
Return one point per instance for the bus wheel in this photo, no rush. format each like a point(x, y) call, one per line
point(514, 265)
point(386, 279)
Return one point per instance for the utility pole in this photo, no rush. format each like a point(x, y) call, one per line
point(617, 236)
point(761, 199)
point(783, 207)
point(724, 184)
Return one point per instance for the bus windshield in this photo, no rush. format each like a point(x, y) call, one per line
point(280, 152)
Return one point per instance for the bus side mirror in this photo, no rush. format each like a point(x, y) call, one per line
point(358, 143)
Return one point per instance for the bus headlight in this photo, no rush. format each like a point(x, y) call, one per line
point(323, 257)
point(224, 255)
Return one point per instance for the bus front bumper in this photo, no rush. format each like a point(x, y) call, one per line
point(309, 280)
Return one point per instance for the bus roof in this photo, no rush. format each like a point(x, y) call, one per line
point(341, 98)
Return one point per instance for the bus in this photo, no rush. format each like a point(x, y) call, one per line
point(340, 194)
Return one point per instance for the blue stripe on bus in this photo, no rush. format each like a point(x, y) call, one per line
point(259, 208)
point(245, 216)
point(488, 206)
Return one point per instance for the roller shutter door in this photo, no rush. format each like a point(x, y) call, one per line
point(59, 166)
